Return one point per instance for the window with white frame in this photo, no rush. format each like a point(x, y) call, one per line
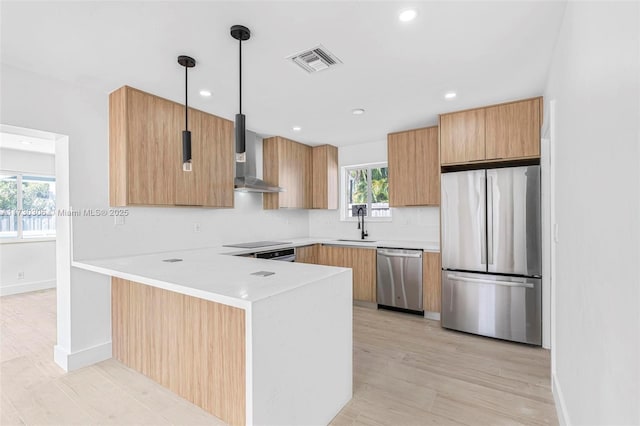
point(367, 187)
point(27, 206)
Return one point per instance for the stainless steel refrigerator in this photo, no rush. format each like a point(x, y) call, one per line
point(491, 253)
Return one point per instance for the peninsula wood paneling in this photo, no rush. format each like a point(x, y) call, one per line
point(431, 278)
point(194, 347)
point(513, 130)
point(361, 261)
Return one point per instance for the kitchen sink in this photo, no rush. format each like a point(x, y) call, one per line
point(359, 241)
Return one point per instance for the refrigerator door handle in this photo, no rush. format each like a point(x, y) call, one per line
point(490, 213)
point(483, 235)
point(483, 281)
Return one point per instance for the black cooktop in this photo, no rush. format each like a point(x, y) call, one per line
point(258, 244)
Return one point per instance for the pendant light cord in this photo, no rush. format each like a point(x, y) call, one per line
point(240, 73)
point(186, 99)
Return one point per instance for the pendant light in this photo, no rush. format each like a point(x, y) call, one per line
point(240, 33)
point(187, 62)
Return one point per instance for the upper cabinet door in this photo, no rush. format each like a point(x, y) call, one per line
point(427, 185)
point(153, 144)
point(513, 130)
point(145, 153)
point(325, 177)
point(287, 164)
point(414, 168)
point(462, 137)
point(401, 157)
point(217, 150)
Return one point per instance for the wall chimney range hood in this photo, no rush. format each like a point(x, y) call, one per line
point(244, 180)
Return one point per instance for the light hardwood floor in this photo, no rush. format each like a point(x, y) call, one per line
point(407, 371)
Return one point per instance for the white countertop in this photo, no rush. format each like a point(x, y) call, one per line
point(211, 274)
point(208, 274)
point(429, 246)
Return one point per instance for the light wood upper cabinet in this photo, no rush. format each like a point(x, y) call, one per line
point(361, 261)
point(513, 130)
point(427, 186)
point(210, 183)
point(145, 153)
point(144, 148)
point(462, 137)
point(431, 278)
point(288, 164)
point(401, 154)
point(508, 131)
point(414, 168)
point(325, 177)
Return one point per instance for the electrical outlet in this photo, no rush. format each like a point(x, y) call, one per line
point(21, 275)
point(196, 227)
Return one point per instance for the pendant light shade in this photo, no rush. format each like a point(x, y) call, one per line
point(240, 33)
point(187, 62)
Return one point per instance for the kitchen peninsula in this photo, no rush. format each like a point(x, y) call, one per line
point(252, 341)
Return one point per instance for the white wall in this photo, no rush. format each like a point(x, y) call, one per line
point(84, 331)
point(35, 260)
point(408, 223)
point(594, 78)
point(27, 161)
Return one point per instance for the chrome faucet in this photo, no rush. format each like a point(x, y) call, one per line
point(363, 233)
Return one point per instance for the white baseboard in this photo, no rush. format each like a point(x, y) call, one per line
point(73, 361)
point(27, 287)
point(432, 315)
point(561, 408)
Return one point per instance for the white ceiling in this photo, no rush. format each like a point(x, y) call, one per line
point(398, 72)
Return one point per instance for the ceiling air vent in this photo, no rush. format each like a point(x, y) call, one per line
point(314, 60)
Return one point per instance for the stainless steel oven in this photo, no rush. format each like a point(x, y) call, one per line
point(283, 255)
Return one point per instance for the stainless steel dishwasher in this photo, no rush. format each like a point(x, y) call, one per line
point(399, 282)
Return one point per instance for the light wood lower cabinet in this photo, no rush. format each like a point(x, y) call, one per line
point(431, 277)
point(194, 347)
point(361, 261)
point(307, 254)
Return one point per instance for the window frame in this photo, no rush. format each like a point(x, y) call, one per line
point(344, 171)
point(20, 238)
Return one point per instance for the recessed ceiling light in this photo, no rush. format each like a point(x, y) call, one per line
point(450, 95)
point(407, 15)
point(205, 93)
point(296, 128)
point(357, 111)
